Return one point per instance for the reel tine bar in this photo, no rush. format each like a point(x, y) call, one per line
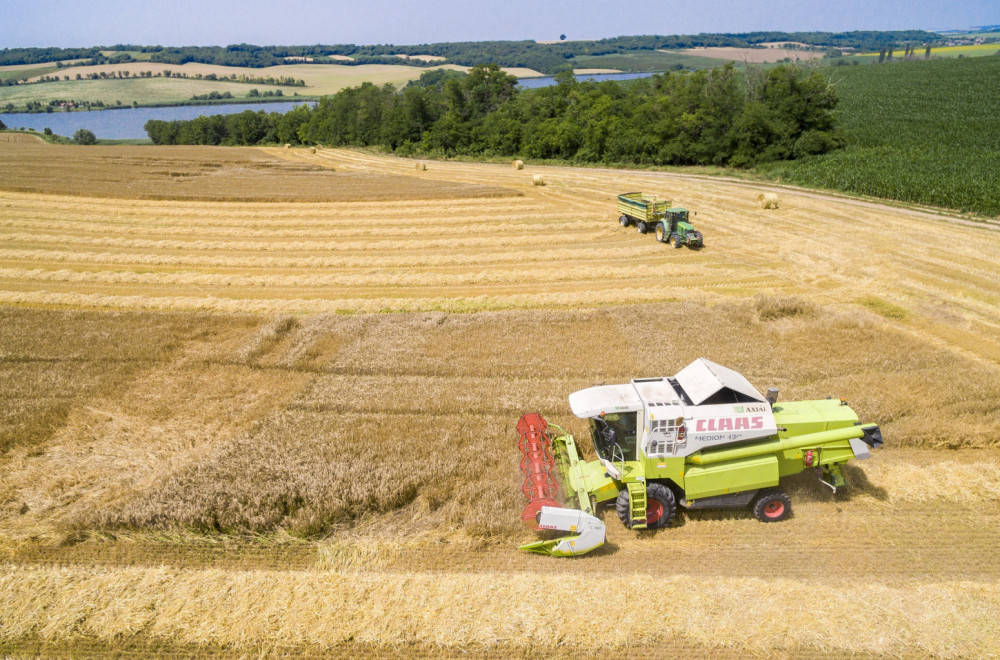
point(540, 486)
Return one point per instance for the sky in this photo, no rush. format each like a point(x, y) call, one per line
point(79, 23)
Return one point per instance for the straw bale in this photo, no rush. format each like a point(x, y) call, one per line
point(517, 164)
point(768, 200)
point(538, 180)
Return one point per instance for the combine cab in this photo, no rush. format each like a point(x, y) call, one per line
point(705, 438)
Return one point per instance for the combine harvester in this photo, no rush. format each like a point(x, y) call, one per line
point(705, 438)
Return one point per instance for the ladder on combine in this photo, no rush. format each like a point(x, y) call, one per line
point(637, 504)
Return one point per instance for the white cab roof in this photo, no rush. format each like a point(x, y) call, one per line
point(592, 401)
point(703, 378)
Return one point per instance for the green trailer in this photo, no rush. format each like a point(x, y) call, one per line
point(650, 213)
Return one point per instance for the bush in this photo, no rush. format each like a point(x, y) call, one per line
point(83, 136)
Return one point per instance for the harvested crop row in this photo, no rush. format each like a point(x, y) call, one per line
point(244, 610)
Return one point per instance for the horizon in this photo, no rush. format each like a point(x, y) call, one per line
point(89, 23)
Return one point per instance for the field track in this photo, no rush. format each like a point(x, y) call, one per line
point(208, 446)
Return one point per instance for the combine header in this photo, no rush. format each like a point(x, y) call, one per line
point(705, 438)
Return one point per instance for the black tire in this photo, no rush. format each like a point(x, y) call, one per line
point(641, 226)
point(621, 506)
point(662, 235)
point(772, 505)
point(663, 496)
point(625, 221)
point(678, 243)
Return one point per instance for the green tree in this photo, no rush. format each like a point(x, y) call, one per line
point(84, 136)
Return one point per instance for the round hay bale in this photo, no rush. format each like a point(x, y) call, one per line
point(312, 150)
point(537, 180)
point(319, 146)
point(288, 146)
point(517, 164)
point(421, 167)
point(768, 200)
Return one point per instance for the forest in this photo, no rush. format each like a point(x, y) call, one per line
point(717, 117)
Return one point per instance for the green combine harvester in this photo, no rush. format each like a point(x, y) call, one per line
point(705, 438)
point(649, 213)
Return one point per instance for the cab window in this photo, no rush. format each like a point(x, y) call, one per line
point(612, 429)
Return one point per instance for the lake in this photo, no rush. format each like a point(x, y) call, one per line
point(548, 81)
point(127, 123)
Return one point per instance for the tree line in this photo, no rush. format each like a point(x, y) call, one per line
point(545, 57)
point(715, 117)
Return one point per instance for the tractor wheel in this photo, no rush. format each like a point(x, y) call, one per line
point(641, 226)
point(624, 220)
point(661, 233)
point(772, 505)
point(661, 505)
point(678, 243)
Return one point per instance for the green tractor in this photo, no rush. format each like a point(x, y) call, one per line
point(705, 438)
point(649, 213)
point(675, 228)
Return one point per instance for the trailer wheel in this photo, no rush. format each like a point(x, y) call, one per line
point(660, 506)
point(641, 226)
point(772, 505)
point(661, 233)
point(625, 221)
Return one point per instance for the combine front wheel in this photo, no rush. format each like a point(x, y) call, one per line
point(772, 506)
point(660, 506)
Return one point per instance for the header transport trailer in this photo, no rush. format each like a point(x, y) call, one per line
point(705, 438)
point(670, 223)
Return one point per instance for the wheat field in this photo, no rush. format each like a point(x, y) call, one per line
point(266, 425)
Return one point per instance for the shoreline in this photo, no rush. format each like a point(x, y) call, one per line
point(177, 104)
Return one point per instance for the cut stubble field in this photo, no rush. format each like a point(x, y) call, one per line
point(209, 447)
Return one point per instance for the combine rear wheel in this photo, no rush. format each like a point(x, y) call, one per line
point(661, 506)
point(772, 505)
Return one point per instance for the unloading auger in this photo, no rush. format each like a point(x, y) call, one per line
point(705, 438)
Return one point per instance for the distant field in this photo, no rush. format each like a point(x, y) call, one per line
point(755, 55)
point(140, 90)
point(320, 79)
point(644, 61)
point(18, 71)
point(922, 131)
point(975, 50)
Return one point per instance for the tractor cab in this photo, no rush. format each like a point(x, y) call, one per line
point(682, 232)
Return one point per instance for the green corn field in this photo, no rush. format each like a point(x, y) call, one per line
point(924, 132)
